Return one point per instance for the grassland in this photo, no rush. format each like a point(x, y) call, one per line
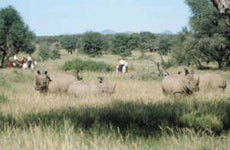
point(137, 116)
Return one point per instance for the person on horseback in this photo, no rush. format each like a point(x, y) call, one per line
point(29, 60)
point(123, 66)
point(15, 61)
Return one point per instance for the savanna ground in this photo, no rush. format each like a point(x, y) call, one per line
point(137, 116)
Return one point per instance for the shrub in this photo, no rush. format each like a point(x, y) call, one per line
point(46, 53)
point(86, 65)
point(55, 54)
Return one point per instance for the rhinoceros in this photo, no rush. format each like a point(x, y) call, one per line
point(212, 81)
point(53, 83)
point(178, 84)
point(79, 88)
point(67, 83)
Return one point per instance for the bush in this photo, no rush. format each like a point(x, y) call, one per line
point(46, 53)
point(86, 65)
point(55, 54)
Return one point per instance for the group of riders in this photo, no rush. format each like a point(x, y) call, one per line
point(30, 63)
point(25, 63)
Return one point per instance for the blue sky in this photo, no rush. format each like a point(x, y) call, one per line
point(54, 17)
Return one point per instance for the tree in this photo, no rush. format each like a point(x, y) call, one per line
point(184, 49)
point(92, 43)
point(163, 44)
point(210, 33)
point(223, 7)
point(146, 42)
point(15, 35)
point(121, 44)
point(69, 43)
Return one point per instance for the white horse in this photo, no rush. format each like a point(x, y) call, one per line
point(32, 65)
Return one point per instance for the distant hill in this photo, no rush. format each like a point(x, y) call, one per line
point(167, 32)
point(107, 31)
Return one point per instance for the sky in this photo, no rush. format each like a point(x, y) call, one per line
point(55, 17)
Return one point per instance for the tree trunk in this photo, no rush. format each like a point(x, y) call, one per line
point(220, 64)
point(223, 7)
point(199, 64)
point(3, 59)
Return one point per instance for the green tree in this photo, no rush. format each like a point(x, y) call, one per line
point(184, 48)
point(92, 43)
point(146, 42)
point(163, 44)
point(69, 43)
point(210, 31)
point(15, 35)
point(121, 45)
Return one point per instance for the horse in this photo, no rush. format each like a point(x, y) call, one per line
point(14, 64)
point(122, 68)
point(29, 65)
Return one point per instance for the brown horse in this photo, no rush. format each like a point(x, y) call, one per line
point(11, 64)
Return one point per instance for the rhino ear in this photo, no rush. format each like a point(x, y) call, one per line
point(186, 72)
point(38, 72)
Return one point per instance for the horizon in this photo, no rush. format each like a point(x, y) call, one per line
point(52, 18)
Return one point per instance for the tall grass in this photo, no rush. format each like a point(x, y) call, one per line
point(135, 118)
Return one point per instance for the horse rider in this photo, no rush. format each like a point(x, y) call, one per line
point(29, 60)
point(122, 65)
point(15, 60)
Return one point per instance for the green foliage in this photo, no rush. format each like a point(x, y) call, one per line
point(46, 53)
point(122, 45)
point(184, 49)
point(69, 43)
point(15, 36)
point(92, 43)
point(146, 42)
point(209, 37)
point(86, 65)
point(163, 44)
point(55, 54)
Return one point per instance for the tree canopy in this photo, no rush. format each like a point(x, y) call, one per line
point(15, 35)
point(208, 39)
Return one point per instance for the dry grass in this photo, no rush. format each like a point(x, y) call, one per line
point(23, 99)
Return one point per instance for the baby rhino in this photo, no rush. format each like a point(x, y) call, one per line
point(67, 83)
point(180, 84)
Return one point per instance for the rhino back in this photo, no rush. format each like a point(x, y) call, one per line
point(173, 84)
point(60, 82)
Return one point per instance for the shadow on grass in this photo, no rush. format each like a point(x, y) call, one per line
point(133, 118)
